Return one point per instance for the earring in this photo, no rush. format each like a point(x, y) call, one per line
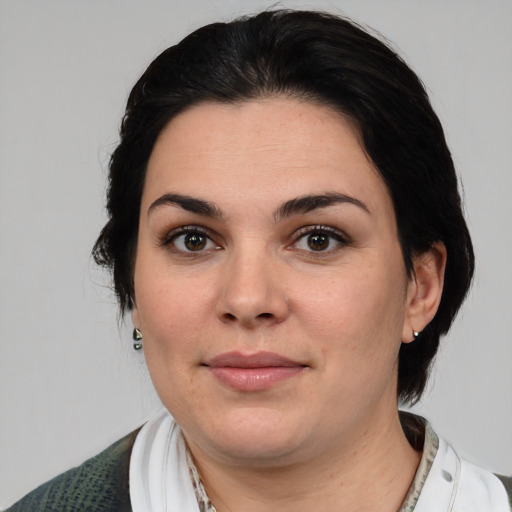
point(416, 334)
point(137, 339)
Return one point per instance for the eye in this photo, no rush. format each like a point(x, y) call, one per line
point(190, 239)
point(320, 239)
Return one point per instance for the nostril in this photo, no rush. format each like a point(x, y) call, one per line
point(230, 317)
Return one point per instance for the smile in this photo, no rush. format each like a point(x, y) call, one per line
point(255, 372)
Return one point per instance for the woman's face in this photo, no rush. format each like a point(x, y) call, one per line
point(269, 281)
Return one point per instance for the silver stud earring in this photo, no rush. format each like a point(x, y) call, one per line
point(137, 339)
point(416, 334)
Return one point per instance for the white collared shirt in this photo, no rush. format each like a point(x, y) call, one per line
point(163, 477)
point(446, 483)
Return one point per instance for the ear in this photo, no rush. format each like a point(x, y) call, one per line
point(424, 290)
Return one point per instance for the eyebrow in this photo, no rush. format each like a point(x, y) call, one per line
point(188, 203)
point(308, 203)
point(294, 206)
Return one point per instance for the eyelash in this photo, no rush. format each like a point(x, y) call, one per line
point(341, 238)
point(170, 238)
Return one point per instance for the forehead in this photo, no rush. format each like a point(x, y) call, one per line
point(262, 149)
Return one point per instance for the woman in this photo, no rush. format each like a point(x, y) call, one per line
point(286, 230)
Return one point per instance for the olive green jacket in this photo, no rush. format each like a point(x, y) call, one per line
point(99, 485)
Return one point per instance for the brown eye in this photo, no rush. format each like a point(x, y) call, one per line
point(321, 239)
point(195, 241)
point(189, 240)
point(318, 241)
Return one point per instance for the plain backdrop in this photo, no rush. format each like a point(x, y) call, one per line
point(70, 383)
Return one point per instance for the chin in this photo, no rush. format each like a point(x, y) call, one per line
point(256, 438)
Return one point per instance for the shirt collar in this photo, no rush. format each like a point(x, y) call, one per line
point(420, 435)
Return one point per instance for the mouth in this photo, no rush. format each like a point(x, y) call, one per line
point(253, 372)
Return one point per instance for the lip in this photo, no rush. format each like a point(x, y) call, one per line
point(253, 372)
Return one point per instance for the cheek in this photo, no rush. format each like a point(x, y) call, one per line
point(356, 317)
point(356, 326)
point(173, 312)
point(354, 301)
point(173, 322)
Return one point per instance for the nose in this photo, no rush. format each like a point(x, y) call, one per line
point(252, 293)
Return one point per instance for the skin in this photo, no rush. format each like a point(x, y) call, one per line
point(338, 305)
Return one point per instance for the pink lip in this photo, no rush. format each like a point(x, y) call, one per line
point(253, 372)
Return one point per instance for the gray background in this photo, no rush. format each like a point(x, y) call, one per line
point(69, 381)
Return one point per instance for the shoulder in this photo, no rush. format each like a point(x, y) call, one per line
point(446, 482)
point(480, 489)
point(99, 484)
point(507, 483)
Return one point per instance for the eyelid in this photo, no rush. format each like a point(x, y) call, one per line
point(340, 236)
point(337, 233)
point(170, 236)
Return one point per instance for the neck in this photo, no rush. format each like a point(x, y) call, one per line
point(371, 472)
